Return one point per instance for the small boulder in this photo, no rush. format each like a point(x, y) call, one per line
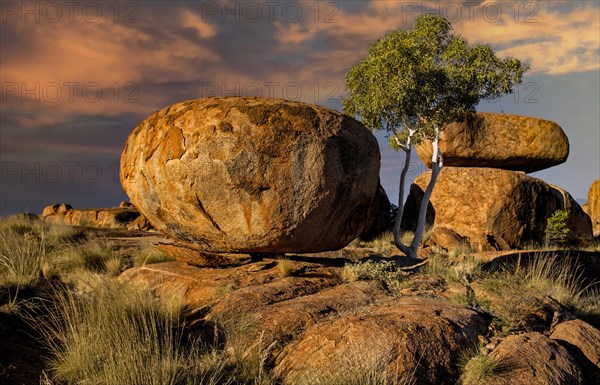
point(509, 142)
point(495, 209)
point(582, 340)
point(56, 208)
point(414, 338)
point(63, 208)
point(447, 239)
point(125, 205)
point(252, 175)
point(533, 359)
point(49, 210)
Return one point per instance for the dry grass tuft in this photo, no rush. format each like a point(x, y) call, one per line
point(149, 255)
point(478, 368)
point(384, 271)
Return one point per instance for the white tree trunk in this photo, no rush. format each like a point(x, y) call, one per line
point(408, 149)
point(436, 166)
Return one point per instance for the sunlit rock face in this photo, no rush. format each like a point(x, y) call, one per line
point(494, 209)
point(253, 174)
point(509, 142)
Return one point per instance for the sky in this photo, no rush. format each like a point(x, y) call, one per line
point(77, 76)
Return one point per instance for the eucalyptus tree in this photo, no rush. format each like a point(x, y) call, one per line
point(414, 82)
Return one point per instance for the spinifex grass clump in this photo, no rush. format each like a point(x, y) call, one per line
point(519, 290)
point(149, 255)
point(26, 246)
point(478, 368)
point(115, 335)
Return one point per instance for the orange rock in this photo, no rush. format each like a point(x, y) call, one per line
point(582, 340)
point(252, 174)
point(509, 142)
point(106, 218)
point(594, 206)
point(533, 359)
point(414, 338)
point(495, 209)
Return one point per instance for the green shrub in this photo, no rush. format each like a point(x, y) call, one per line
point(556, 228)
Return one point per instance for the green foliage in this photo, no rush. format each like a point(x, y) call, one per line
point(556, 227)
point(424, 78)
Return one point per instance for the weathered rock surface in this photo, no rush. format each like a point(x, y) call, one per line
point(510, 142)
point(128, 218)
point(272, 327)
point(447, 239)
point(495, 209)
point(582, 340)
point(199, 287)
point(593, 204)
point(414, 337)
point(252, 174)
point(533, 359)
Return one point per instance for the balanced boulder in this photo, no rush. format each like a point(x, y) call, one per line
point(494, 209)
point(252, 174)
point(509, 142)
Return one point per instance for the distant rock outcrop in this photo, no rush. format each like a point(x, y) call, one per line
point(509, 142)
point(593, 206)
point(127, 218)
point(252, 174)
point(494, 209)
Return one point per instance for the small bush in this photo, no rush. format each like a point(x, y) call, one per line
point(464, 270)
point(285, 268)
point(519, 291)
point(21, 254)
point(556, 228)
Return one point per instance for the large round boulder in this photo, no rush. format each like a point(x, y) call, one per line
point(493, 209)
point(509, 142)
point(252, 174)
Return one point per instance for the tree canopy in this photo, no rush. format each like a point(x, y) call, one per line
point(412, 83)
point(425, 78)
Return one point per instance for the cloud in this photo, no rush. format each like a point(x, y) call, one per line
point(551, 40)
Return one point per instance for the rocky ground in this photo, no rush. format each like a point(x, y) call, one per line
point(333, 318)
